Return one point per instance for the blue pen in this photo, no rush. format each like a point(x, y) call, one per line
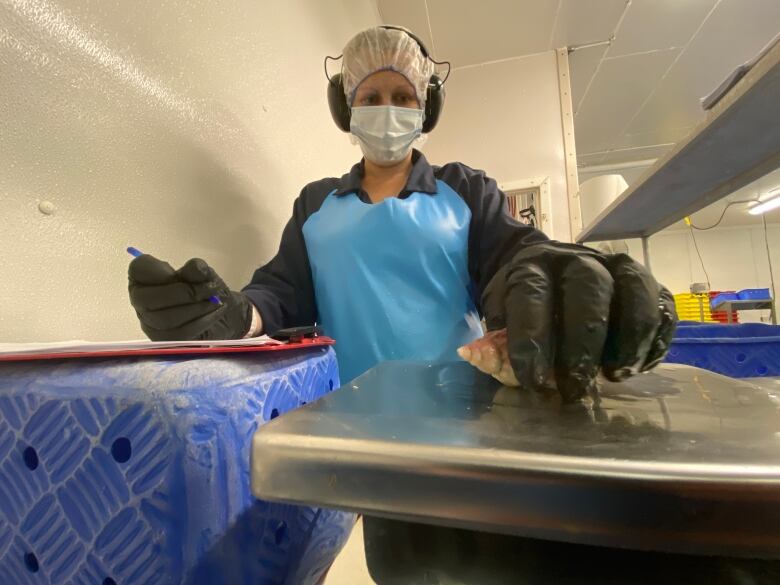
point(135, 253)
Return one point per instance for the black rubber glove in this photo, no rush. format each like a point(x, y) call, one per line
point(570, 311)
point(173, 304)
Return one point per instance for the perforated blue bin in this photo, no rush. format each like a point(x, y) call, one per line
point(136, 472)
point(740, 351)
point(754, 294)
point(722, 297)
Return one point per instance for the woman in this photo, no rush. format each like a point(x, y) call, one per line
point(398, 259)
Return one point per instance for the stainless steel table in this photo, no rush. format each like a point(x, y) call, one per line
point(740, 305)
point(678, 460)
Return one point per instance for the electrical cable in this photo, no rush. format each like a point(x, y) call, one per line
point(722, 215)
point(771, 273)
point(695, 245)
point(692, 227)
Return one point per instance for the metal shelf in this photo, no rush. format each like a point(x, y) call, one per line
point(739, 305)
point(737, 143)
point(743, 305)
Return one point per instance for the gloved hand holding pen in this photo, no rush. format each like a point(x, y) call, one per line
point(175, 304)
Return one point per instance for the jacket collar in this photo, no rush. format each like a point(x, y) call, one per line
point(420, 180)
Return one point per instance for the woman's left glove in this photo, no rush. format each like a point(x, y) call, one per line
point(571, 311)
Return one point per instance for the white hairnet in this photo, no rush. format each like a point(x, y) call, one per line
point(385, 49)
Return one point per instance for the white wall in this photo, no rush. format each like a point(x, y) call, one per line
point(734, 256)
point(184, 128)
point(505, 118)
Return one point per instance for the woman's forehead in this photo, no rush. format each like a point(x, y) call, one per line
point(383, 80)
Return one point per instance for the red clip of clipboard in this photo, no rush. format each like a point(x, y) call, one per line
point(302, 344)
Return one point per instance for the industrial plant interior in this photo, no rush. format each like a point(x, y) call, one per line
point(436, 292)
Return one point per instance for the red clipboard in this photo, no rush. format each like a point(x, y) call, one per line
point(319, 341)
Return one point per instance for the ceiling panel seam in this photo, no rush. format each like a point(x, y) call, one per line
point(614, 150)
point(554, 24)
point(430, 30)
point(496, 61)
point(668, 69)
point(598, 67)
point(378, 7)
point(687, 128)
point(640, 53)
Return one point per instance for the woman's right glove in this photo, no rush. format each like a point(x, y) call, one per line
point(173, 305)
point(563, 312)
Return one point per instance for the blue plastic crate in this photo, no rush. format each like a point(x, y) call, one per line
point(136, 472)
point(725, 296)
point(754, 294)
point(740, 351)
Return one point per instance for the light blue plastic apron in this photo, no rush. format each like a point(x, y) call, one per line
point(391, 279)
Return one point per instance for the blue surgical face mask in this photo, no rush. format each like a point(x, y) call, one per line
point(386, 133)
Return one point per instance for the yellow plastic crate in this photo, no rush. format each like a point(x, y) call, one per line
point(690, 306)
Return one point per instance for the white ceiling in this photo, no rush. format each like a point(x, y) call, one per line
point(633, 99)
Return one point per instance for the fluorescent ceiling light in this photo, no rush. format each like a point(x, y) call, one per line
point(766, 205)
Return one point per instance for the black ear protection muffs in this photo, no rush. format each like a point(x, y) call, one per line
point(434, 94)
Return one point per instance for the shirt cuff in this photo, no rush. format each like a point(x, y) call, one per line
point(256, 327)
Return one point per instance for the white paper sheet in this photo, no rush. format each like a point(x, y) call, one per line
point(80, 346)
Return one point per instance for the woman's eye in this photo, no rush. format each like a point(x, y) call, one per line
point(407, 101)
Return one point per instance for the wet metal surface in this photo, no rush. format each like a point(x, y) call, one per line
point(679, 459)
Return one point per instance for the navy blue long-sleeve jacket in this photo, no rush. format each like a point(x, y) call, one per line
point(400, 279)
